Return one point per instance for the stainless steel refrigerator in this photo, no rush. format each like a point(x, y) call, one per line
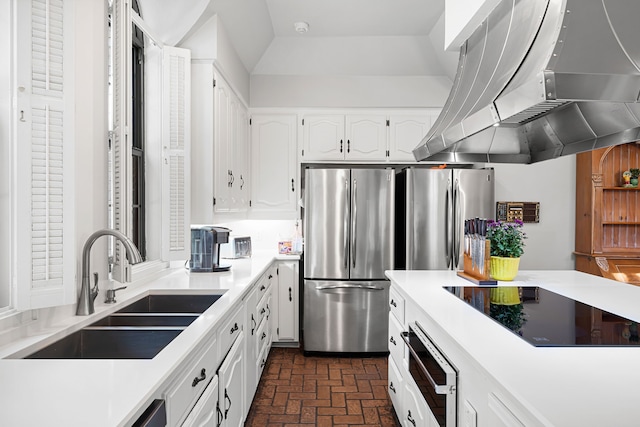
point(432, 205)
point(349, 231)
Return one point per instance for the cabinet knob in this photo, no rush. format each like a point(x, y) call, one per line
point(348, 146)
point(393, 303)
point(392, 388)
point(234, 328)
point(341, 146)
point(293, 188)
point(392, 341)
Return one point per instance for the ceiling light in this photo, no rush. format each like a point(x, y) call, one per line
point(301, 27)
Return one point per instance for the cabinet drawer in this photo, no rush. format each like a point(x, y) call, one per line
point(396, 344)
point(261, 309)
point(396, 305)
point(395, 386)
point(204, 412)
point(230, 331)
point(262, 337)
point(261, 362)
point(189, 386)
point(263, 284)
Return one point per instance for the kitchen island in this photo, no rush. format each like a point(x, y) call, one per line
point(104, 392)
point(504, 380)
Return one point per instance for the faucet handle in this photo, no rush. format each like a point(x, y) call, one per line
point(111, 295)
point(94, 290)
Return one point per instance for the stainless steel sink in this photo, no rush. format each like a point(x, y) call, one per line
point(138, 331)
point(109, 343)
point(147, 319)
point(160, 303)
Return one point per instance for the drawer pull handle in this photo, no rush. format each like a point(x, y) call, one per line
point(410, 418)
point(393, 303)
point(268, 308)
point(219, 416)
point(392, 341)
point(290, 299)
point(262, 287)
point(391, 387)
point(253, 328)
point(202, 377)
point(263, 336)
point(263, 310)
point(226, 397)
point(234, 328)
point(270, 276)
point(264, 362)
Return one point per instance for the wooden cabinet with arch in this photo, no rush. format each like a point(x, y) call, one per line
point(607, 213)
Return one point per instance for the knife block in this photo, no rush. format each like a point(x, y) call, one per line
point(476, 274)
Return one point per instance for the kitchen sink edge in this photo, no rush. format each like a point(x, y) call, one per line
point(114, 310)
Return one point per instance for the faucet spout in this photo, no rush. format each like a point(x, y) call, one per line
point(87, 294)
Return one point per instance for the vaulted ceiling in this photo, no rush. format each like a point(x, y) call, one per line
point(345, 37)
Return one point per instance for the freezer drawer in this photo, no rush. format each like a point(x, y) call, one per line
point(346, 316)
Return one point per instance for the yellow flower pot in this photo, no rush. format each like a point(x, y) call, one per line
point(504, 268)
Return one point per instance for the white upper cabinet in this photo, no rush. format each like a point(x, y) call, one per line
point(405, 133)
point(231, 190)
point(340, 137)
point(274, 187)
point(220, 175)
point(43, 189)
point(366, 137)
point(323, 137)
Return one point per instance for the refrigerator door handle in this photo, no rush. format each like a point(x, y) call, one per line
point(349, 286)
point(346, 224)
point(447, 225)
point(456, 224)
point(354, 222)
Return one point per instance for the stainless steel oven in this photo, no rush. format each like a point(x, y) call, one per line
point(433, 374)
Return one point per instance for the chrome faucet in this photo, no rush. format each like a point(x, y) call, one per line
point(88, 294)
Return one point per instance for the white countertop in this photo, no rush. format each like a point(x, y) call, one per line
point(562, 386)
point(39, 392)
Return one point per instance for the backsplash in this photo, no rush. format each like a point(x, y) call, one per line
point(264, 234)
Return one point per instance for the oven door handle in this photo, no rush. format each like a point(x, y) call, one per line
point(439, 389)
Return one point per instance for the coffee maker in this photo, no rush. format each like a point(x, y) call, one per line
point(205, 248)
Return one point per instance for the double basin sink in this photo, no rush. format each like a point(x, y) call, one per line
point(138, 331)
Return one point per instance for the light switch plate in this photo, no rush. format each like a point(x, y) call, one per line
point(468, 415)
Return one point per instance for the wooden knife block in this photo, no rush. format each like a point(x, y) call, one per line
point(473, 273)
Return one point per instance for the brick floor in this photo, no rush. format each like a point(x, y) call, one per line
point(325, 391)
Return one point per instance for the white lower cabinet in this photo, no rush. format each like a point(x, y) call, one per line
point(415, 412)
point(188, 387)
point(232, 380)
point(206, 412)
point(286, 321)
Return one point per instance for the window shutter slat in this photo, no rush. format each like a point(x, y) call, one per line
point(176, 115)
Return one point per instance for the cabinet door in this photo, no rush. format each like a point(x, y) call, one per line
point(415, 410)
point(287, 301)
point(323, 137)
point(206, 411)
point(273, 163)
point(222, 134)
point(405, 133)
point(366, 138)
point(232, 381)
point(240, 165)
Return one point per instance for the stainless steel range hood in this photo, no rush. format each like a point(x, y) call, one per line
point(541, 79)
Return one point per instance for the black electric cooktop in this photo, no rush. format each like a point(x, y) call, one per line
point(545, 319)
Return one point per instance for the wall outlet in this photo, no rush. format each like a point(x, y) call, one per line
point(468, 415)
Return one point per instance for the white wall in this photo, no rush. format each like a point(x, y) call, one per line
point(210, 42)
point(5, 153)
point(91, 141)
point(349, 91)
point(462, 17)
point(550, 243)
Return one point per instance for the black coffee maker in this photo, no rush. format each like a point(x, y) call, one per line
point(205, 248)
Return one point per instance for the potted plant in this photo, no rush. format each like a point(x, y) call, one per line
point(635, 173)
point(507, 246)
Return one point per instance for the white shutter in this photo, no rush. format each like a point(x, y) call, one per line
point(176, 140)
point(120, 147)
point(44, 265)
